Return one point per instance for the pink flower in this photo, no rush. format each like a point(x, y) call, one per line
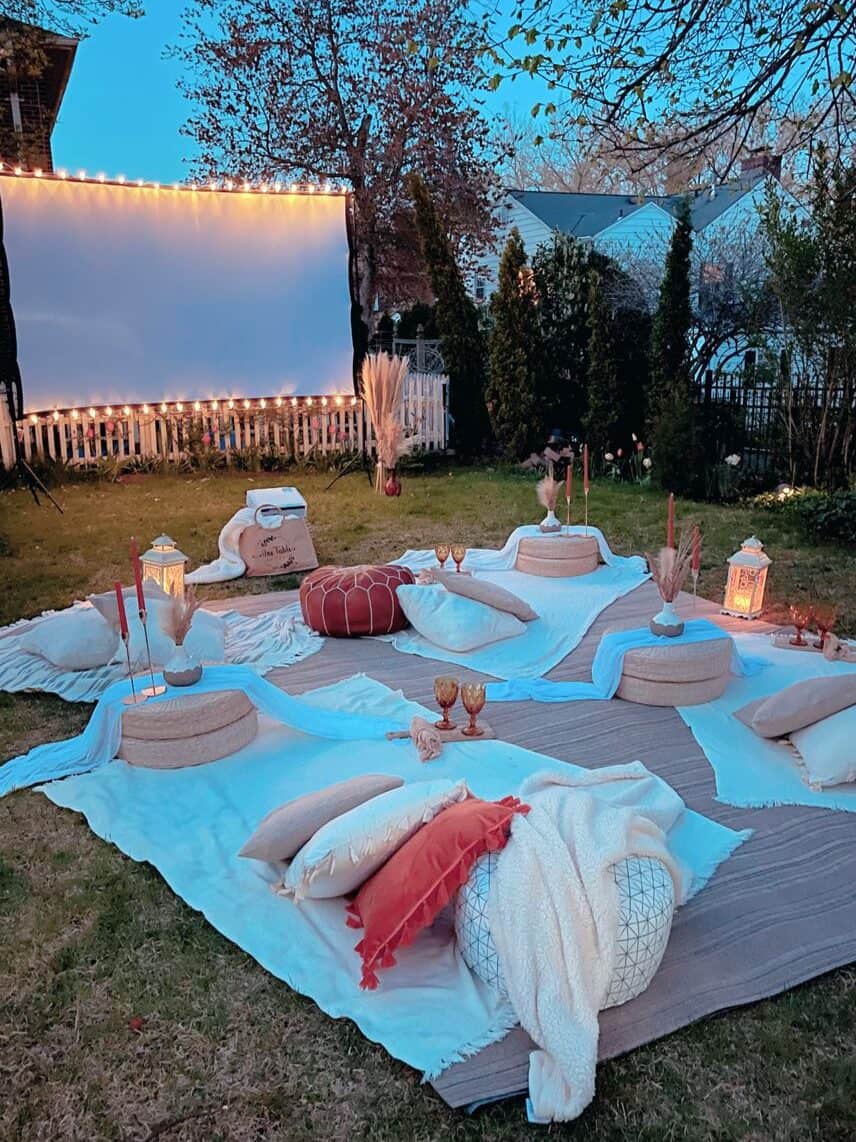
point(90, 432)
point(206, 439)
point(110, 425)
point(620, 453)
point(640, 447)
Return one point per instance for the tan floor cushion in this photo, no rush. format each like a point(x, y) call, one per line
point(689, 662)
point(647, 693)
point(558, 556)
point(192, 729)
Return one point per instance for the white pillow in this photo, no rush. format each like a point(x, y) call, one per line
point(205, 640)
point(828, 749)
point(453, 621)
point(77, 639)
point(345, 852)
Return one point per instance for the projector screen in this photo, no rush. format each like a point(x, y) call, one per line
point(125, 294)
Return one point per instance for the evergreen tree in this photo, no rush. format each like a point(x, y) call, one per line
point(514, 355)
point(561, 272)
point(604, 413)
point(672, 412)
point(457, 324)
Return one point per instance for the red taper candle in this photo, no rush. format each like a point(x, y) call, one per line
point(585, 468)
point(120, 603)
point(670, 524)
point(138, 573)
point(696, 565)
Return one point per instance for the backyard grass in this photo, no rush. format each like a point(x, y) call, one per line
point(91, 942)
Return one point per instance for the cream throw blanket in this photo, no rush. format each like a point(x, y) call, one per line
point(556, 945)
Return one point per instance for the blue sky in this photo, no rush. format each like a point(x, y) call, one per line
point(122, 111)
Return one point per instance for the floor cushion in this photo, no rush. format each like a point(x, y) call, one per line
point(646, 902)
point(684, 674)
point(346, 602)
point(453, 621)
point(189, 730)
point(558, 556)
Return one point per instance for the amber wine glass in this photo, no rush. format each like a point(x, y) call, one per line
point(446, 693)
point(824, 617)
point(473, 697)
point(441, 550)
point(459, 554)
point(800, 617)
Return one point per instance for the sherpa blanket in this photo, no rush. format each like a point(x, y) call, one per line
point(556, 945)
point(275, 638)
point(190, 823)
point(566, 608)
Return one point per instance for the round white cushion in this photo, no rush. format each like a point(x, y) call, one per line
point(646, 902)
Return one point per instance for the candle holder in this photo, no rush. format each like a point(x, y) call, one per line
point(153, 690)
point(585, 496)
point(132, 699)
point(694, 574)
point(568, 503)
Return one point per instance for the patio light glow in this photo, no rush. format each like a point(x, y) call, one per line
point(747, 578)
point(164, 564)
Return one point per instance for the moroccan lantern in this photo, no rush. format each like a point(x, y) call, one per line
point(747, 578)
point(164, 564)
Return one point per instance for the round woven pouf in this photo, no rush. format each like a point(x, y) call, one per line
point(191, 730)
point(685, 674)
point(558, 556)
point(346, 602)
point(646, 902)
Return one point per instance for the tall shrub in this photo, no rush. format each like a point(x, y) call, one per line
point(561, 273)
point(514, 355)
point(672, 416)
point(604, 414)
point(457, 324)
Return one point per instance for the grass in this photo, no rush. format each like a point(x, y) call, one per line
point(92, 943)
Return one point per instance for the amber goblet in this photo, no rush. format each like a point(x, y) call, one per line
point(824, 617)
point(473, 697)
point(800, 616)
point(459, 554)
point(446, 693)
point(441, 550)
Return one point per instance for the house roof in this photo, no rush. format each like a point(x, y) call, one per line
point(584, 215)
point(59, 53)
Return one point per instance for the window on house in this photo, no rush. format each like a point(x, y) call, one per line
point(479, 289)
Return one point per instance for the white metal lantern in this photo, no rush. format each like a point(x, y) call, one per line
point(164, 565)
point(747, 578)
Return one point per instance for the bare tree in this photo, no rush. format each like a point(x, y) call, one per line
point(689, 75)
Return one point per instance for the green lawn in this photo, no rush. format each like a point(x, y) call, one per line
point(89, 940)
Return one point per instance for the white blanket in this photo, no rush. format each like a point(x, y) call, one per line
point(230, 565)
point(190, 823)
point(557, 945)
point(752, 771)
point(275, 638)
point(566, 608)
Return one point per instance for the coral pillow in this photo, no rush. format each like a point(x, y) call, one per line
point(420, 879)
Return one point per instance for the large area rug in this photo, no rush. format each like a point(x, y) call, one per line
point(780, 911)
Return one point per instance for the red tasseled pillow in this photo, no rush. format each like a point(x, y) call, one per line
point(419, 880)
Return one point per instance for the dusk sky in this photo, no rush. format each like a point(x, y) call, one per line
point(122, 111)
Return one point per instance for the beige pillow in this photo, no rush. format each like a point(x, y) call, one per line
point(288, 827)
point(799, 705)
point(106, 604)
point(827, 749)
point(484, 592)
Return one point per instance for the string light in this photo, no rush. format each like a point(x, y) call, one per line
point(108, 411)
point(163, 408)
point(198, 406)
point(179, 406)
point(211, 186)
point(214, 404)
point(279, 402)
point(126, 411)
point(246, 404)
point(231, 404)
point(92, 413)
point(294, 402)
point(74, 414)
point(262, 403)
point(55, 414)
point(145, 408)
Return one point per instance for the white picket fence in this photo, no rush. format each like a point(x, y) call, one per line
point(289, 427)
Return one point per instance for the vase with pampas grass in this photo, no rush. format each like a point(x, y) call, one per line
point(383, 379)
point(548, 495)
point(669, 570)
point(182, 669)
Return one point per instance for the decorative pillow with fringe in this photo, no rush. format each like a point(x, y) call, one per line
point(417, 883)
point(346, 851)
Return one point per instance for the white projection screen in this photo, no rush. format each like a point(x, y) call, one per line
point(125, 294)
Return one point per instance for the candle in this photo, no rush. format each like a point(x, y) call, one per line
point(569, 480)
point(585, 469)
point(670, 525)
point(696, 550)
point(138, 574)
point(120, 603)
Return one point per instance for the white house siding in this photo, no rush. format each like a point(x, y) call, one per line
point(533, 231)
point(644, 233)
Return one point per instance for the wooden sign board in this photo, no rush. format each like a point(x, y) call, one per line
point(277, 550)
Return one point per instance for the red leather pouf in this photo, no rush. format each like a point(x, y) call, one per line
point(349, 601)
